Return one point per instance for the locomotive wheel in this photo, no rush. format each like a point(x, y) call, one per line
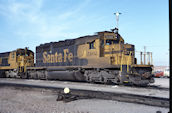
point(90, 80)
point(104, 80)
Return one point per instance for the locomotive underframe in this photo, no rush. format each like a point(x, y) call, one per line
point(137, 76)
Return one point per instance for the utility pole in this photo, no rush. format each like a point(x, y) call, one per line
point(148, 58)
point(117, 18)
point(151, 59)
point(144, 54)
point(141, 58)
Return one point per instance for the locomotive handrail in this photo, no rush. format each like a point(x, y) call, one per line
point(149, 60)
point(122, 60)
point(129, 58)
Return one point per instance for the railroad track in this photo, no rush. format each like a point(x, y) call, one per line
point(158, 87)
point(155, 87)
point(81, 93)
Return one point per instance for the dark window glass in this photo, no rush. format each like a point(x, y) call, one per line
point(109, 36)
point(109, 42)
point(91, 45)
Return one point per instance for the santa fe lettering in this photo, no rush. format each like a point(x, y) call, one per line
point(57, 57)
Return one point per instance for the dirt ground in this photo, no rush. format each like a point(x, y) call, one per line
point(28, 101)
point(162, 82)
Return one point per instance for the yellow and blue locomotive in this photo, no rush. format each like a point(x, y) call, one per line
point(14, 63)
point(103, 57)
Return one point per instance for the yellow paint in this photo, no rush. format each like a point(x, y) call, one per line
point(113, 52)
point(129, 60)
point(65, 54)
point(125, 81)
point(122, 61)
point(81, 51)
point(19, 62)
point(84, 51)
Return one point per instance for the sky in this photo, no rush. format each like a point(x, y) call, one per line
point(29, 23)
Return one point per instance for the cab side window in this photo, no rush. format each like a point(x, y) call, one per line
point(110, 42)
point(92, 45)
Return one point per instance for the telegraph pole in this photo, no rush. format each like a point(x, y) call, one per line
point(117, 18)
point(144, 54)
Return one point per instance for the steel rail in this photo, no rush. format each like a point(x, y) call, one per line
point(81, 93)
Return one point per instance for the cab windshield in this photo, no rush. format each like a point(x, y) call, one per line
point(111, 41)
point(24, 52)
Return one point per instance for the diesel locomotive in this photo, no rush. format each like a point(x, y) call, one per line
point(103, 57)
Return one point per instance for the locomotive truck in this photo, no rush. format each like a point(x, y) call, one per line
point(103, 57)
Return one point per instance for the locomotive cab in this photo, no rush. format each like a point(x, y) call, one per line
point(112, 46)
point(14, 63)
point(109, 51)
point(24, 58)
